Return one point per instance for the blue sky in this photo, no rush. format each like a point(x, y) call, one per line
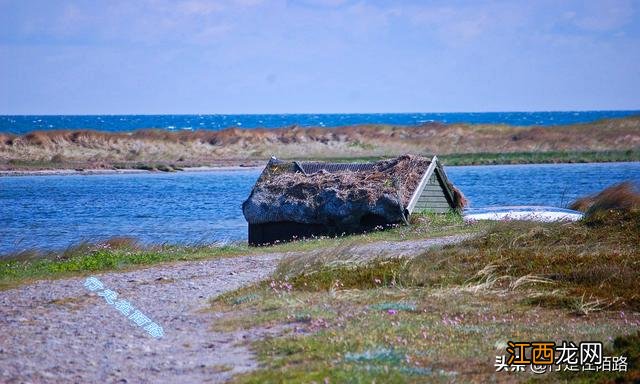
point(252, 56)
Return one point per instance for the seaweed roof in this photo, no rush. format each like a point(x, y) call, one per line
point(335, 193)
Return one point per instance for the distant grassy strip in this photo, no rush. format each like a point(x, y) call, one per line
point(448, 159)
point(28, 165)
point(540, 157)
point(491, 158)
point(79, 260)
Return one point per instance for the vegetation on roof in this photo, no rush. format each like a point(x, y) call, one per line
point(340, 198)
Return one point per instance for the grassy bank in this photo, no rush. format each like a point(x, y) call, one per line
point(605, 140)
point(444, 315)
point(123, 254)
point(541, 157)
point(551, 157)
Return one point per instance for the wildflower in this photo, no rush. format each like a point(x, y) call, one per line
point(392, 311)
point(278, 286)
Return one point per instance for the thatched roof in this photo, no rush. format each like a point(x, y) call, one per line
point(339, 195)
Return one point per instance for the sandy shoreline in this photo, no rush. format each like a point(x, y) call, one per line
point(69, 172)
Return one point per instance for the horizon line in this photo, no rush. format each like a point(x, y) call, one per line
point(319, 113)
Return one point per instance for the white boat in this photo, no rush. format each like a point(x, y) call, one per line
point(530, 213)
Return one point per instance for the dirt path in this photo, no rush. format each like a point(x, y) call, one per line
point(60, 332)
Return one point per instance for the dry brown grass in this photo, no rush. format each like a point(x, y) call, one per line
point(584, 266)
point(587, 266)
point(624, 196)
point(236, 145)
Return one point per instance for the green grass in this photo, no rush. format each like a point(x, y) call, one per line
point(491, 158)
point(116, 254)
point(367, 276)
point(540, 157)
point(357, 336)
point(447, 159)
point(88, 260)
point(445, 315)
point(148, 166)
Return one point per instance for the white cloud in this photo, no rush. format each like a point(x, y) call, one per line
point(302, 25)
point(603, 16)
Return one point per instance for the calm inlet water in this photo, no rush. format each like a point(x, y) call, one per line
point(52, 212)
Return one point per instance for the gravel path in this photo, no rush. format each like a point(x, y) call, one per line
point(60, 332)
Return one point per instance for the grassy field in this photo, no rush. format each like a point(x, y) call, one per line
point(458, 144)
point(124, 254)
point(444, 315)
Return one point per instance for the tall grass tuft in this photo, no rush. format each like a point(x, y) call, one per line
point(622, 197)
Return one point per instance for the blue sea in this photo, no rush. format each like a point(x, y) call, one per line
point(124, 123)
point(53, 212)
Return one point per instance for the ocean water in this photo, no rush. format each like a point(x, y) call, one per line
point(53, 212)
point(120, 123)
